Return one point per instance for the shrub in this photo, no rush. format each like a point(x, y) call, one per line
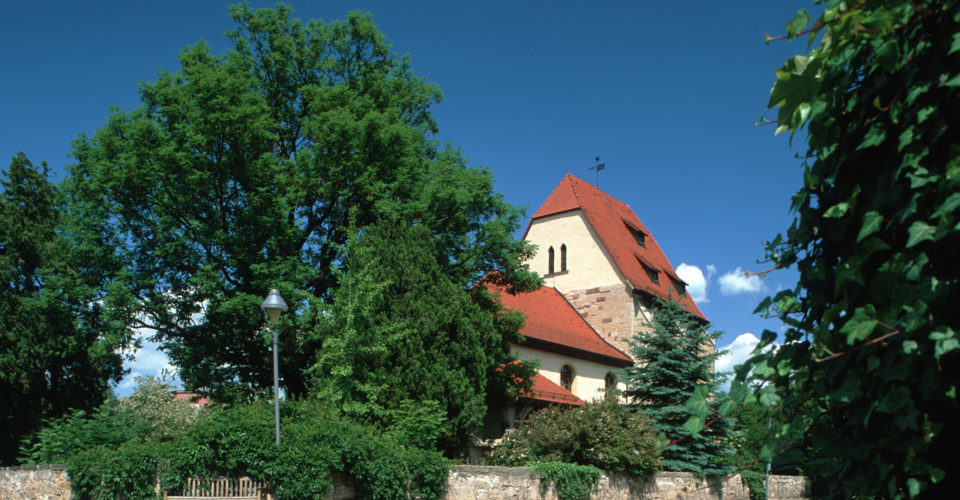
point(239, 441)
point(572, 482)
point(603, 434)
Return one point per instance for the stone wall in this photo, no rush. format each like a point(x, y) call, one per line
point(471, 482)
point(43, 482)
point(609, 310)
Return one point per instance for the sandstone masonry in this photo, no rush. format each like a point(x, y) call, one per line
point(472, 482)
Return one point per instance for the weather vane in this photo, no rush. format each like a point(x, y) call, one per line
point(599, 166)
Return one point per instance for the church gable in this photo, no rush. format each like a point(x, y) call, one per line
point(625, 242)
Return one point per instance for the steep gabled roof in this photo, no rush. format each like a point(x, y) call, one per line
point(545, 390)
point(615, 225)
point(554, 325)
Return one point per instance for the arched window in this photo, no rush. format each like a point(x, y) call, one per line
point(566, 377)
point(550, 260)
point(610, 382)
point(563, 257)
point(610, 385)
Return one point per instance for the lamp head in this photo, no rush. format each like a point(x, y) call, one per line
point(273, 305)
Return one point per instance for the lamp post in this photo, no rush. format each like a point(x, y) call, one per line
point(272, 306)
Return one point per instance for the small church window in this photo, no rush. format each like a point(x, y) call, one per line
point(610, 381)
point(550, 260)
point(566, 377)
point(563, 257)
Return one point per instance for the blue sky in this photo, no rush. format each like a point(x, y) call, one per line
point(664, 93)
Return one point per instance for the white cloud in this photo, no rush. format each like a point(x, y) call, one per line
point(148, 360)
point(696, 281)
point(737, 282)
point(737, 352)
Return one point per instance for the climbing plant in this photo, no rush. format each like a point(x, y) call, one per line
point(870, 344)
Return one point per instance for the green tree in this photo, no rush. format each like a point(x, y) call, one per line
point(674, 358)
point(872, 342)
point(238, 172)
point(400, 331)
point(58, 349)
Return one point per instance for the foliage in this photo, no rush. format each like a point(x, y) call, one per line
point(388, 339)
point(239, 172)
point(151, 403)
point(572, 482)
point(317, 440)
point(602, 433)
point(755, 483)
point(871, 341)
point(58, 347)
point(674, 358)
point(79, 430)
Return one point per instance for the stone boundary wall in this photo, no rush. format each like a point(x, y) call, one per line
point(41, 482)
point(471, 482)
point(474, 482)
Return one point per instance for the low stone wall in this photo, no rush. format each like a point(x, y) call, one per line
point(42, 482)
point(471, 482)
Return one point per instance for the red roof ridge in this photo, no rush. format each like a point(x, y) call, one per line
point(612, 222)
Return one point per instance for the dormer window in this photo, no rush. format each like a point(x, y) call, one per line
point(652, 273)
point(679, 286)
point(639, 236)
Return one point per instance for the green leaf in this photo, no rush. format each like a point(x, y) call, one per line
point(796, 25)
point(694, 424)
point(909, 346)
point(913, 487)
point(871, 224)
point(919, 232)
point(837, 211)
point(874, 137)
point(888, 54)
point(861, 325)
point(948, 206)
point(895, 399)
point(955, 46)
point(953, 82)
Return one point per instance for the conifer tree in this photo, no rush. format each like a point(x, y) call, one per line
point(674, 358)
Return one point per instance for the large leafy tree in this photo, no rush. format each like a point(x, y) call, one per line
point(872, 342)
point(674, 358)
point(402, 331)
point(58, 349)
point(238, 172)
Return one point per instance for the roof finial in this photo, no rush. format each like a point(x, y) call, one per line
point(599, 166)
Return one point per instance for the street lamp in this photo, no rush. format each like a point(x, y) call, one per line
point(272, 306)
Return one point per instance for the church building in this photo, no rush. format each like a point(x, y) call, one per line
point(602, 269)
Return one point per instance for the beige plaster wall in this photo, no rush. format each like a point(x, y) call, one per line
point(588, 264)
point(589, 377)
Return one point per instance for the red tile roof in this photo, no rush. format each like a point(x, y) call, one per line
point(545, 390)
point(190, 397)
point(612, 221)
point(552, 324)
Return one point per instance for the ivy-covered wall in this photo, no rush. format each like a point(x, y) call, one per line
point(49, 482)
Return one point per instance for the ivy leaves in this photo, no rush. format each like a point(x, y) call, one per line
point(868, 365)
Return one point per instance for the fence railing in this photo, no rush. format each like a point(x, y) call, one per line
point(221, 488)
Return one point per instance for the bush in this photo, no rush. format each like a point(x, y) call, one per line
point(603, 434)
point(572, 482)
point(238, 441)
